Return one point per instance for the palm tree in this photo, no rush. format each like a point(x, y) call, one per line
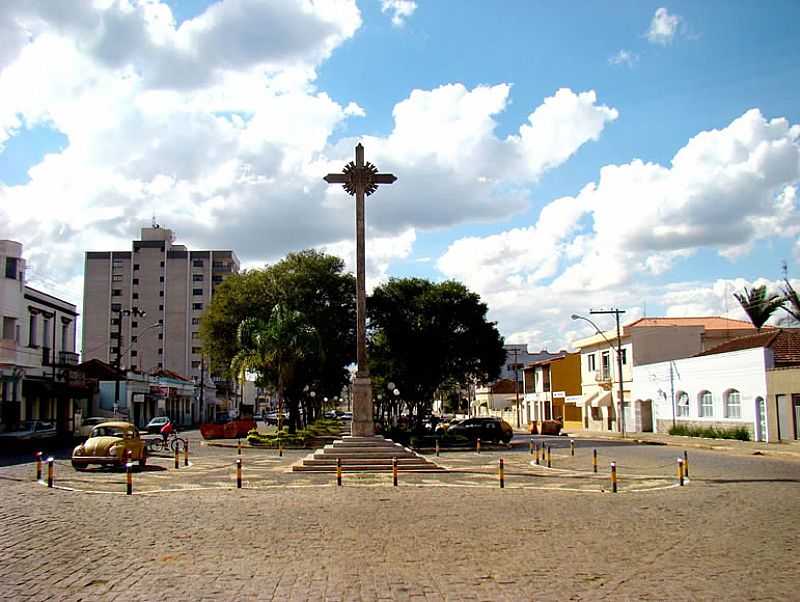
point(758, 304)
point(274, 348)
point(790, 296)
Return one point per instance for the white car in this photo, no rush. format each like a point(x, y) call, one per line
point(30, 430)
point(87, 424)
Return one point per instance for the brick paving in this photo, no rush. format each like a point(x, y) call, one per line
point(730, 533)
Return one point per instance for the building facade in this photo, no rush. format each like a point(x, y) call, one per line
point(144, 306)
point(750, 382)
point(644, 341)
point(553, 391)
point(38, 375)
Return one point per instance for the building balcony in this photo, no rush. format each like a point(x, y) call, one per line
point(68, 358)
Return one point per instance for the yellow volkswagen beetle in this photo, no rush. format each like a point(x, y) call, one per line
point(109, 443)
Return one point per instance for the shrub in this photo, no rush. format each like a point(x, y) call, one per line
point(741, 433)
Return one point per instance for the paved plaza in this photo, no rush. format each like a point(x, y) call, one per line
point(550, 534)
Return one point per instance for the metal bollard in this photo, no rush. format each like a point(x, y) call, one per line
point(686, 464)
point(614, 477)
point(186, 454)
point(680, 471)
point(50, 469)
point(394, 471)
point(572, 447)
point(437, 448)
point(548, 457)
point(280, 449)
point(530, 445)
point(177, 460)
point(339, 472)
point(238, 473)
point(594, 460)
point(239, 448)
point(537, 453)
point(502, 475)
point(38, 466)
point(129, 477)
point(478, 445)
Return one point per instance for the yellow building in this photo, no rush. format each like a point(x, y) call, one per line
point(553, 391)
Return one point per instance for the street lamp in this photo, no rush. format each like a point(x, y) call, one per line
point(121, 312)
point(618, 350)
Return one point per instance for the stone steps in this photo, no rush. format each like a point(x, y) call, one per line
point(359, 454)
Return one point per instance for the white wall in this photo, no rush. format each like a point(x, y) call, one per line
point(743, 370)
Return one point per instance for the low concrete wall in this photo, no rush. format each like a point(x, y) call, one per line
point(663, 426)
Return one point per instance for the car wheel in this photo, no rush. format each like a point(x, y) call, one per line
point(143, 460)
point(80, 466)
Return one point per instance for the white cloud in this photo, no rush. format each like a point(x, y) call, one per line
point(624, 57)
point(400, 9)
point(725, 189)
point(663, 27)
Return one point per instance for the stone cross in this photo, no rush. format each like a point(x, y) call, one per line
point(359, 179)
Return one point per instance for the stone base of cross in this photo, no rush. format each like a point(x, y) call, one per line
point(363, 424)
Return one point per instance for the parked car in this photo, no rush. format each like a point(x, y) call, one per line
point(109, 443)
point(272, 418)
point(156, 424)
point(30, 430)
point(488, 429)
point(87, 424)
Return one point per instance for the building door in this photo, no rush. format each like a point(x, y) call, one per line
point(796, 414)
point(646, 416)
point(761, 419)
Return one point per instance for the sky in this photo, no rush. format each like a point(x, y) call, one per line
point(553, 157)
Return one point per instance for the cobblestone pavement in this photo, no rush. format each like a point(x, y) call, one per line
point(189, 534)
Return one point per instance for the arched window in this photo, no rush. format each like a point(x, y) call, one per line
point(733, 406)
point(705, 404)
point(682, 401)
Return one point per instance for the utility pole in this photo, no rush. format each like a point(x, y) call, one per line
point(621, 411)
point(202, 386)
point(121, 312)
point(672, 392)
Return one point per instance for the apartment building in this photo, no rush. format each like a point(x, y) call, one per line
point(553, 391)
point(644, 341)
point(145, 305)
point(38, 375)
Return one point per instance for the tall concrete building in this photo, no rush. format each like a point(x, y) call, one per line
point(169, 284)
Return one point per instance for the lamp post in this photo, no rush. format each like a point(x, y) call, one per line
point(618, 350)
point(121, 312)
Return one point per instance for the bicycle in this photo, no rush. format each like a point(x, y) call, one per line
point(173, 443)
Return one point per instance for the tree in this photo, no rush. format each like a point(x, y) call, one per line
point(759, 305)
point(793, 301)
point(274, 349)
point(309, 282)
point(424, 336)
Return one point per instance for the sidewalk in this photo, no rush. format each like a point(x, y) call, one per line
point(787, 448)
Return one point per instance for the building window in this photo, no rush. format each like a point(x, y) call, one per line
point(114, 349)
point(605, 365)
point(116, 307)
point(160, 308)
point(135, 296)
point(682, 400)
point(162, 264)
point(116, 292)
point(134, 324)
point(134, 339)
point(160, 351)
point(197, 291)
point(197, 350)
point(160, 336)
point(195, 321)
point(706, 405)
point(12, 264)
point(135, 267)
point(135, 281)
point(195, 335)
point(9, 327)
point(46, 332)
point(116, 278)
point(32, 331)
point(114, 335)
point(733, 404)
point(161, 279)
point(161, 321)
point(134, 353)
point(160, 365)
point(624, 356)
point(592, 364)
point(216, 279)
point(197, 306)
point(197, 277)
point(195, 364)
point(197, 263)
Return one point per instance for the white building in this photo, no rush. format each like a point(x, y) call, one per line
point(751, 382)
point(38, 380)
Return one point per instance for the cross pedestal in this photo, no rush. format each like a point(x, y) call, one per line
point(363, 425)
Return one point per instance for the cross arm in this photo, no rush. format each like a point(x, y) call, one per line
point(384, 178)
point(336, 178)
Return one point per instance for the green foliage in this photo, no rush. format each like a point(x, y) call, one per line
point(710, 432)
point(323, 428)
point(758, 304)
point(426, 336)
point(309, 282)
point(792, 305)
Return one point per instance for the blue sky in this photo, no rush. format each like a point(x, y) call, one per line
point(220, 115)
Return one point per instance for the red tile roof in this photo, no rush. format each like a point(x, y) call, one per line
point(784, 342)
point(707, 322)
